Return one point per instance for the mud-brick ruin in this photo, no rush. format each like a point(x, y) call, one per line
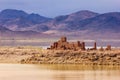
point(63, 44)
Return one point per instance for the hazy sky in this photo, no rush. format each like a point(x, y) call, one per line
point(52, 8)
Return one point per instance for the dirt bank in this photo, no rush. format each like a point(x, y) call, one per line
point(94, 57)
point(36, 55)
point(16, 54)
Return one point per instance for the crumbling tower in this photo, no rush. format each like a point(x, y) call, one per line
point(63, 39)
point(95, 46)
point(83, 46)
point(55, 45)
point(108, 47)
point(78, 44)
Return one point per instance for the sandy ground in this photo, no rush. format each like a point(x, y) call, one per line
point(16, 54)
point(38, 55)
point(88, 57)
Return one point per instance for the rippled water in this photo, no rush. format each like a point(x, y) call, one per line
point(58, 72)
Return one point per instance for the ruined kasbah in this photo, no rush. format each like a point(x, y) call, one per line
point(63, 44)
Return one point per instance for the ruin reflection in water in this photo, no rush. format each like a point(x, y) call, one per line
point(58, 72)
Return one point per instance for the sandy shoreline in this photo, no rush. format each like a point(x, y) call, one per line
point(16, 54)
point(35, 55)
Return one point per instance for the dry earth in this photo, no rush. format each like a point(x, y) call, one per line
point(37, 55)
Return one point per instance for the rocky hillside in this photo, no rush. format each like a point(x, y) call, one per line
point(18, 20)
point(82, 23)
point(101, 22)
point(68, 22)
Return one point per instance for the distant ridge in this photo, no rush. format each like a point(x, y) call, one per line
point(82, 23)
point(17, 19)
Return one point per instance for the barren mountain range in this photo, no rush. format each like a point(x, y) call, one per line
point(85, 24)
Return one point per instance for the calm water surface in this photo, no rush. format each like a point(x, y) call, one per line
point(58, 72)
point(44, 43)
